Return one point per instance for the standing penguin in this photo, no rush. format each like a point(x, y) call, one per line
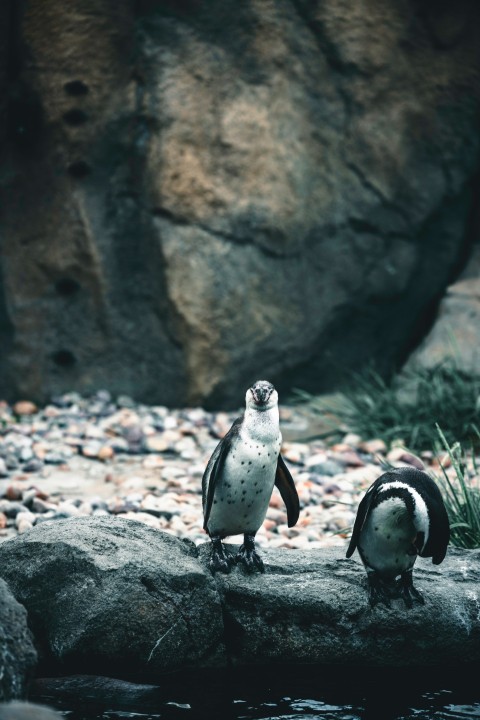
point(402, 515)
point(239, 479)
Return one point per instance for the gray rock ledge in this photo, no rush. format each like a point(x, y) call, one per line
point(18, 657)
point(111, 593)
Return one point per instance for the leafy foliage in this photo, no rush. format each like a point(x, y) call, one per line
point(408, 407)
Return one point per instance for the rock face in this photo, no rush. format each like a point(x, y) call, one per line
point(102, 592)
point(178, 176)
point(110, 593)
point(456, 332)
point(17, 653)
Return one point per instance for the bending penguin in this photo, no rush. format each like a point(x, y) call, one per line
point(402, 515)
point(239, 478)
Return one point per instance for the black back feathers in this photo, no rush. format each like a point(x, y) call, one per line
point(404, 482)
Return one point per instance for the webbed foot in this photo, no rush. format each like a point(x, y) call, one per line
point(220, 560)
point(248, 556)
point(407, 590)
point(378, 590)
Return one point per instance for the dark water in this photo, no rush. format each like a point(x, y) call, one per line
point(300, 693)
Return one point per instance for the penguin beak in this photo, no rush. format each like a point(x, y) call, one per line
point(261, 395)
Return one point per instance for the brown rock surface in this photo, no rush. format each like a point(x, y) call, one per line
point(199, 194)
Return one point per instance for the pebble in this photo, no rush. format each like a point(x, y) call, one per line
point(111, 456)
point(24, 407)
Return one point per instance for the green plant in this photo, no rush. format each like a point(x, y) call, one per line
point(408, 407)
point(461, 497)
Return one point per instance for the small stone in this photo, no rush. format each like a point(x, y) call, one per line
point(55, 458)
point(11, 508)
point(399, 455)
point(103, 396)
point(14, 492)
point(125, 401)
point(352, 458)
point(93, 432)
point(24, 517)
point(11, 461)
point(26, 453)
point(3, 521)
point(3, 468)
point(24, 407)
point(156, 444)
point(33, 465)
point(41, 506)
point(328, 467)
point(28, 496)
point(91, 449)
point(135, 438)
point(119, 445)
point(374, 447)
point(352, 439)
point(105, 453)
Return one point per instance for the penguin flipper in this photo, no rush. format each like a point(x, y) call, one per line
point(439, 534)
point(214, 469)
point(362, 513)
point(288, 491)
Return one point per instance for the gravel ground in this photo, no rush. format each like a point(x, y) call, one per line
point(97, 455)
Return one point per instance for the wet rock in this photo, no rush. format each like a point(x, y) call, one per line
point(311, 606)
point(106, 691)
point(18, 657)
point(27, 711)
point(103, 590)
point(110, 589)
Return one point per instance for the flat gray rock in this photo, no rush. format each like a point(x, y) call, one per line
point(311, 606)
point(110, 593)
point(104, 592)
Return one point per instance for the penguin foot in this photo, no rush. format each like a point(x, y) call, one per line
point(220, 560)
point(248, 556)
point(378, 590)
point(408, 592)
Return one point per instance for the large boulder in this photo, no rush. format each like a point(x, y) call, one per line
point(18, 656)
point(312, 607)
point(181, 175)
point(111, 593)
point(455, 335)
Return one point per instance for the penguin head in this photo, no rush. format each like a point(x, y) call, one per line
point(261, 396)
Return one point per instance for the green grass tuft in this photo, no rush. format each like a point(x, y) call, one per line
point(461, 497)
point(408, 407)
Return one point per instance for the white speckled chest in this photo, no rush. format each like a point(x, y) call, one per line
point(243, 491)
point(386, 539)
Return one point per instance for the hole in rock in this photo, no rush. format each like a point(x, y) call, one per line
point(67, 286)
point(76, 88)
point(75, 116)
point(64, 358)
point(79, 169)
